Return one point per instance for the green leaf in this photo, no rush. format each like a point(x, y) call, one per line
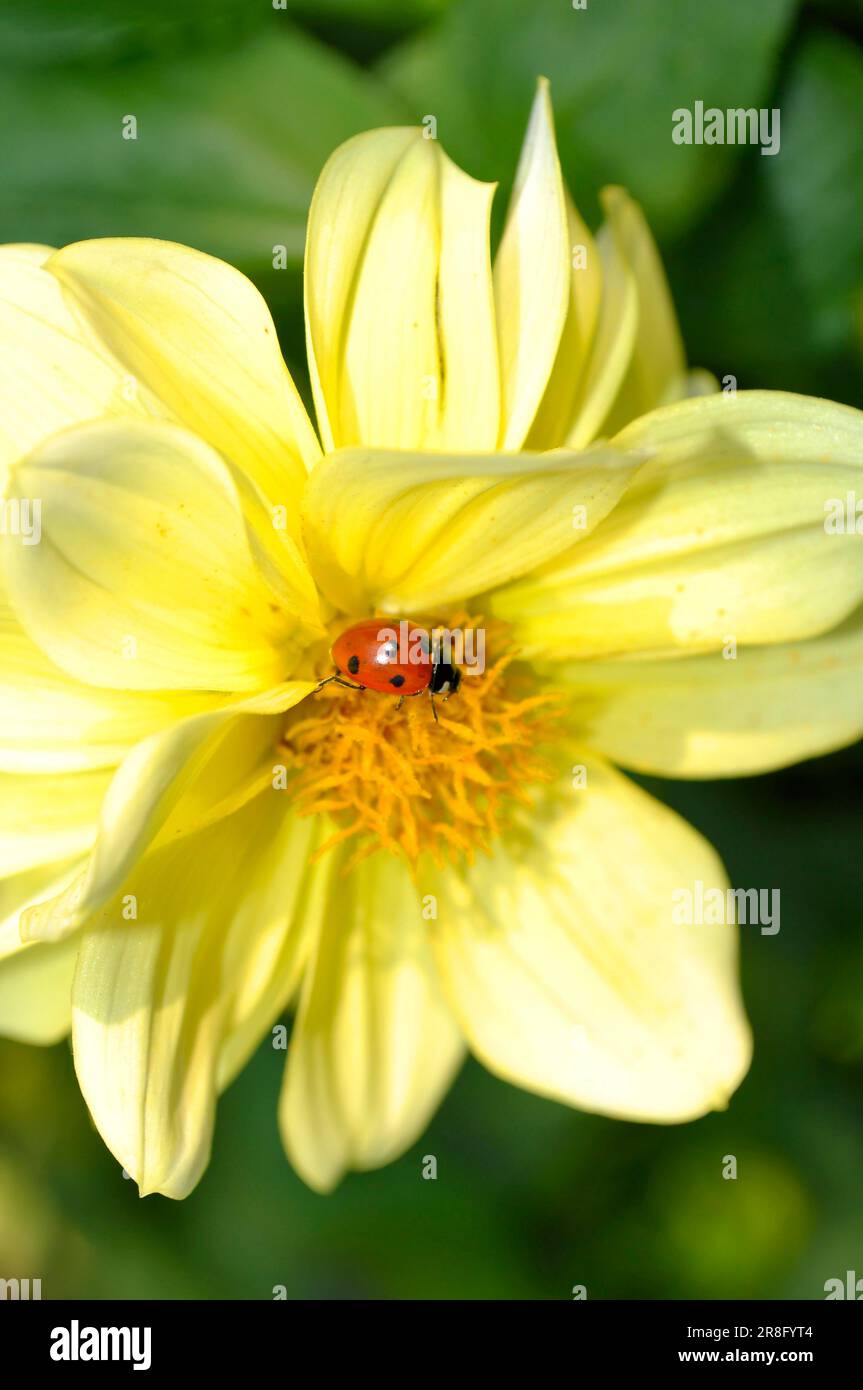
point(228, 147)
point(44, 32)
point(816, 184)
point(618, 71)
point(396, 14)
point(770, 285)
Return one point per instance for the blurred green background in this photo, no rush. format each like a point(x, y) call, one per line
point(238, 104)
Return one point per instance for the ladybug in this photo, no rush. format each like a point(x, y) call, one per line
point(367, 657)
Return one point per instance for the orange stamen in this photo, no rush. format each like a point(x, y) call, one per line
point(396, 780)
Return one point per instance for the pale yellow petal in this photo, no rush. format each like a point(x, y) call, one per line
point(197, 333)
point(722, 535)
point(52, 723)
point(36, 993)
point(31, 252)
point(170, 785)
point(48, 816)
point(144, 577)
point(613, 344)
point(727, 714)
point(50, 377)
point(399, 309)
point(25, 889)
point(164, 1002)
point(374, 1046)
point(568, 973)
point(399, 531)
point(532, 276)
point(656, 373)
point(562, 397)
point(273, 950)
point(467, 382)
point(700, 382)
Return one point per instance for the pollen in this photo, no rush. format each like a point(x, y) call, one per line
point(393, 779)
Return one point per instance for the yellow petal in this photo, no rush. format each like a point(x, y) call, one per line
point(611, 351)
point(374, 1047)
point(23, 890)
point(562, 397)
point(721, 535)
point(51, 723)
point(637, 361)
point(31, 252)
point(532, 273)
point(399, 310)
point(144, 577)
point(727, 714)
point(397, 531)
point(156, 998)
point(170, 785)
point(36, 993)
point(50, 377)
point(196, 333)
point(656, 373)
point(272, 951)
point(564, 965)
point(47, 817)
point(700, 382)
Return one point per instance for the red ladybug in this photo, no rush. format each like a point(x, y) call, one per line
point(392, 658)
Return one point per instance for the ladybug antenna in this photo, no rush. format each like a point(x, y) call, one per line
point(338, 680)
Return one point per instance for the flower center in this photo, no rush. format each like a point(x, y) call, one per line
point(393, 778)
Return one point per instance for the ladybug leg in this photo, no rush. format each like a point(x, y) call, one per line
point(412, 696)
point(434, 708)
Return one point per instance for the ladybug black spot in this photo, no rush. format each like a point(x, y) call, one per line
point(397, 681)
point(353, 665)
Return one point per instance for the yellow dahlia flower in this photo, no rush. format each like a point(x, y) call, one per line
point(195, 834)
